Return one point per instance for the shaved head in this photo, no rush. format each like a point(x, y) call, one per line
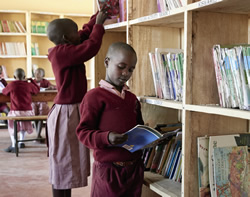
point(19, 74)
point(118, 46)
point(59, 28)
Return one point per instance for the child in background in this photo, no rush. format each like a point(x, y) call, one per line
point(69, 159)
point(4, 109)
point(20, 92)
point(41, 108)
point(107, 112)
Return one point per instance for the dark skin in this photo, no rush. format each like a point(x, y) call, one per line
point(119, 68)
point(65, 31)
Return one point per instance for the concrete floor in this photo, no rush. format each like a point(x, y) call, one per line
point(27, 174)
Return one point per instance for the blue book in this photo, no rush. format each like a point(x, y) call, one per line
point(142, 136)
point(178, 144)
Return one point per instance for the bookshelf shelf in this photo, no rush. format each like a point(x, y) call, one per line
point(171, 18)
point(158, 184)
point(12, 34)
point(29, 38)
point(12, 56)
point(37, 34)
point(195, 28)
point(217, 110)
point(161, 102)
point(117, 26)
point(40, 56)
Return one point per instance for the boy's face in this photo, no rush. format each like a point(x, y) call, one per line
point(38, 75)
point(120, 67)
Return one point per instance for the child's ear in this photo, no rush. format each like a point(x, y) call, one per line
point(106, 62)
point(65, 39)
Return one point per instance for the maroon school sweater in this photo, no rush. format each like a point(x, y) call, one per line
point(20, 94)
point(102, 112)
point(44, 83)
point(67, 63)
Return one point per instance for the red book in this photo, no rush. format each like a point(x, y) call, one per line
point(5, 26)
point(112, 7)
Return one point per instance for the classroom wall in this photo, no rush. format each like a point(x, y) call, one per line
point(59, 6)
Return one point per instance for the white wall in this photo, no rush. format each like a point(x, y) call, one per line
point(60, 6)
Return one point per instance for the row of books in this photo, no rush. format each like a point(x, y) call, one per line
point(34, 48)
point(167, 71)
point(11, 26)
point(232, 69)
point(117, 10)
point(165, 157)
point(39, 27)
point(166, 5)
point(224, 165)
point(12, 48)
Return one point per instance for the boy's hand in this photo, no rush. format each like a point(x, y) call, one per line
point(29, 79)
point(116, 138)
point(101, 16)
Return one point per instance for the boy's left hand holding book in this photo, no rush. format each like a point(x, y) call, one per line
point(116, 138)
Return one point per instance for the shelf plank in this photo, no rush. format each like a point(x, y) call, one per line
point(173, 18)
point(225, 6)
point(12, 34)
point(12, 56)
point(161, 102)
point(40, 56)
point(161, 185)
point(117, 26)
point(39, 34)
point(237, 113)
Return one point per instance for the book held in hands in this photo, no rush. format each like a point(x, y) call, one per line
point(142, 136)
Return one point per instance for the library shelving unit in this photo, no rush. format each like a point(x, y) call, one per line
point(16, 60)
point(26, 62)
point(195, 28)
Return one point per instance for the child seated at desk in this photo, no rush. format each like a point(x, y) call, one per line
point(4, 109)
point(20, 92)
point(41, 108)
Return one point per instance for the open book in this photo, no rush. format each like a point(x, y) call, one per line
point(142, 136)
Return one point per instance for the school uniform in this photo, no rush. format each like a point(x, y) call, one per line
point(41, 108)
point(116, 171)
point(70, 159)
point(20, 103)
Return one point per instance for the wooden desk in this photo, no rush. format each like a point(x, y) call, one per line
point(44, 96)
point(24, 118)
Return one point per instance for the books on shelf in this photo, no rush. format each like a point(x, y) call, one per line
point(35, 48)
point(203, 175)
point(167, 71)
point(11, 26)
point(39, 27)
point(211, 143)
point(12, 48)
point(142, 136)
point(166, 5)
point(232, 69)
point(165, 158)
point(231, 171)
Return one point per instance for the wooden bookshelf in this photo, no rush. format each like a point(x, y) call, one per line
point(195, 28)
point(41, 60)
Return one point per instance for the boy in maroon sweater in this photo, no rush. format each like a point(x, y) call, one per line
point(69, 159)
point(20, 92)
point(107, 112)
